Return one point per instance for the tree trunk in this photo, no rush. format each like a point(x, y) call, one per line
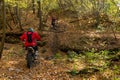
point(40, 15)
point(12, 15)
point(4, 30)
point(33, 6)
point(18, 16)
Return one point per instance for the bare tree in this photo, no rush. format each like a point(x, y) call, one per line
point(12, 14)
point(33, 6)
point(39, 15)
point(4, 28)
point(17, 12)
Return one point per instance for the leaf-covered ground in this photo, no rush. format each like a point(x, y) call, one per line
point(84, 67)
point(13, 66)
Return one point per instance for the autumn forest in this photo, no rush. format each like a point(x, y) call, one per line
point(79, 39)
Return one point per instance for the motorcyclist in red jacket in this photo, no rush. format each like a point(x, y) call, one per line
point(30, 39)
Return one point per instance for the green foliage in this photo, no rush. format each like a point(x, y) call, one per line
point(104, 52)
point(74, 71)
point(97, 55)
point(98, 59)
point(13, 3)
point(116, 69)
point(90, 55)
point(110, 7)
point(96, 62)
point(11, 54)
point(57, 56)
point(21, 52)
point(47, 6)
point(72, 54)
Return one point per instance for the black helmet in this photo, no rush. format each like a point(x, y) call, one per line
point(30, 29)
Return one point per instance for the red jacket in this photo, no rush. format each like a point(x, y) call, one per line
point(35, 37)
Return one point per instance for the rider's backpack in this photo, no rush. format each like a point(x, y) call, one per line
point(29, 37)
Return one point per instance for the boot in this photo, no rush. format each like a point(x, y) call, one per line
point(36, 55)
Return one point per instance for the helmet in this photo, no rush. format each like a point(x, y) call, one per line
point(30, 29)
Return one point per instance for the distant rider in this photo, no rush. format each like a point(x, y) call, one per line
point(53, 22)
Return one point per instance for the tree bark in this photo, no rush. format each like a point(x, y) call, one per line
point(40, 15)
point(12, 15)
point(33, 6)
point(18, 16)
point(4, 29)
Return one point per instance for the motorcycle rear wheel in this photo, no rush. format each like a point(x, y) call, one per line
point(30, 60)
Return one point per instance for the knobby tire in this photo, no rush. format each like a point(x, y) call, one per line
point(30, 60)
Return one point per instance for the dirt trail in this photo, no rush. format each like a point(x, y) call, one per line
point(13, 67)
